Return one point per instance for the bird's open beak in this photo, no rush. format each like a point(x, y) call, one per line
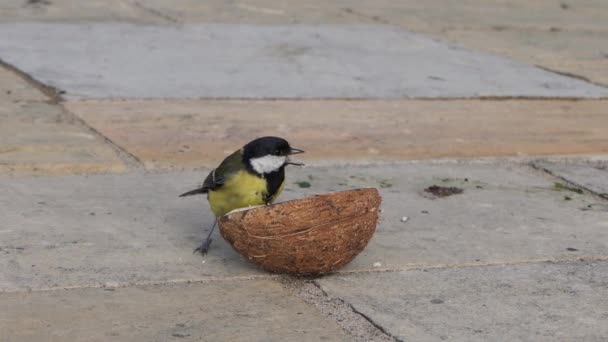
point(294, 151)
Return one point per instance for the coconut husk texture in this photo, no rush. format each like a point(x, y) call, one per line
point(309, 236)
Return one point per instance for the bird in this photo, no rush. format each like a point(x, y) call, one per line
point(251, 176)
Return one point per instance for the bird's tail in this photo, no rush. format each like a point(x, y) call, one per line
point(194, 192)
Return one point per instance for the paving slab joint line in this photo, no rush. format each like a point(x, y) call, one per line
point(371, 321)
point(364, 316)
point(568, 182)
point(374, 18)
point(420, 267)
point(171, 282)
point(379, 19)
point(572, 75)
point(53, 93)
point(208, 279)
point(127, 157)
point(345, 99)
point(358, 326)
point(522, 161)
point(155, 12)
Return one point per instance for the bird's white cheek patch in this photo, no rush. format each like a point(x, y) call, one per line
point(267, 164)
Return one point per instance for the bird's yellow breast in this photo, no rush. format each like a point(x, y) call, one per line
point(241, 190)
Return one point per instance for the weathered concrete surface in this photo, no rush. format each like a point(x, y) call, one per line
point(40, 138)
point(567, 36)
point(505, 214)
point(258, 12)
point(76, 11)
point(98, 230)
point(564, 36)
point(14, 89)
point(579, 53)
point(247, 61)
point(133, 229)
point(218, 311)
point(591, 177)
point(474, 13)
point(540, 302)
point(195, 133)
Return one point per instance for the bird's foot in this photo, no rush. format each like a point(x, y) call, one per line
point(204, 247)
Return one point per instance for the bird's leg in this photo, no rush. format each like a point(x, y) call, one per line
point(204, 247)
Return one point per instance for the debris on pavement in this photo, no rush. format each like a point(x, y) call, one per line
point(443, 191)
point(303, 184)
point(564, 187)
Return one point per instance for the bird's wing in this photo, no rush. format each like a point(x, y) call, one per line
point(212, 181)
point(217, 177)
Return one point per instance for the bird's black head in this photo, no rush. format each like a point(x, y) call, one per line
point(268, 154)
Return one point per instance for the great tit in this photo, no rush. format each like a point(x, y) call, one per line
point(253, 175)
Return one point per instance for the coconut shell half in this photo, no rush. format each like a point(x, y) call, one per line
point(308, 236)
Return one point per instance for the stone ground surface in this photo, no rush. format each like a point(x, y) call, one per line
point(252, 61)
point(194, 133)
point(111, 108)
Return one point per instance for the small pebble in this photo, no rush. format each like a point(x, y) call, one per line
point(404, 219)
point(377, 264)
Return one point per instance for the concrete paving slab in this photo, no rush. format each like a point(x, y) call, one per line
point(472, 13)
point(248, 61)
point(76, 231)
point(75, 11)
point(195, 133)
point(538, 302)
point(478, 14)
point(564, 36)
point(38, 137)
point(590, 177)
point(505, 214)
point(14, 89)
point(580, 53)
point(258, 12)
point(258, 310)
point(90, 231)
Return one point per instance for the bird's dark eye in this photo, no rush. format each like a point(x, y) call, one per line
point(276, 152)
